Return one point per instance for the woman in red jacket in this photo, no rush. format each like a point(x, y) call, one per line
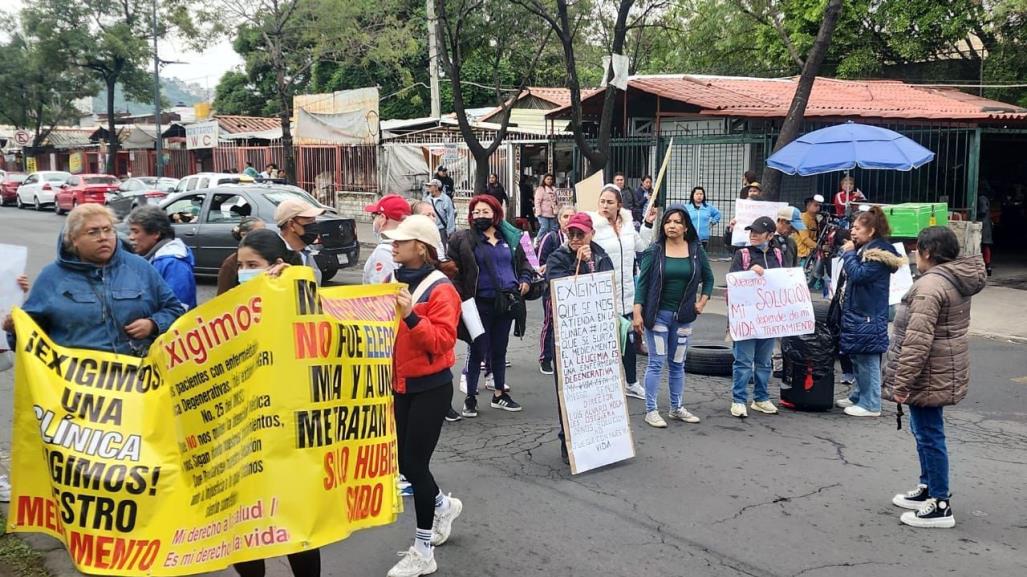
point(423, 383)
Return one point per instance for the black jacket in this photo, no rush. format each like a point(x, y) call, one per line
point(563, 262)
point(651, 285)
point(766, 260)
point(789, 250)
point(498, 192)
point(461, 252)
point(447, 184)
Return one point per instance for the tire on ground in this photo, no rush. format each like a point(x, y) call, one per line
point(709, 358)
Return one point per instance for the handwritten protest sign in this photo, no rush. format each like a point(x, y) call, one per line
point(594, 410)
point(12, 264)
point(776, 304)
point(901, 280)
point(746, 211)
point(260, 424)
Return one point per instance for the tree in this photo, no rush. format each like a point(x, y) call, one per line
point(797, 110)
point(107, 38)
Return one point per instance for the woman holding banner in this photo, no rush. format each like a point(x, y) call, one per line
point(868, 261)
point(546, 247)
point(423, 383)
point(616, 234)
point(666, 305)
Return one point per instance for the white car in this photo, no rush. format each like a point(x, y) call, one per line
point(205, 180)
point(40, 187)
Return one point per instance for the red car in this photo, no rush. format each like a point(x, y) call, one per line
point(9, 186)
point(83, 188)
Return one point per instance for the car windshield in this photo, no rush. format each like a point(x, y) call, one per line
point(279, 196)
point(100, 180)
point(17, 177)
point(56, 176)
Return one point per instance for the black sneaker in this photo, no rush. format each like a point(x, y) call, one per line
point(913, 499)
point(470, 407)
point(452, 416)
point(506, 403)
point(546, 367)
point(563, 454)
point(935, 513)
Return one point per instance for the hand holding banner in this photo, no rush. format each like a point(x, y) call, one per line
point(746, 211)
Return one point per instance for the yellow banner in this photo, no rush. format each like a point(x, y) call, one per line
point(260, 424)
point(75, 162)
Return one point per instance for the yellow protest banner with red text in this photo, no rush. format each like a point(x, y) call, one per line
point(260, 424)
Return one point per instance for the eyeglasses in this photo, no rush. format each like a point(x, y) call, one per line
point(100, 232)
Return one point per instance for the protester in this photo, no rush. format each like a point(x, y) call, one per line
point(545, 206)
point(789, 222)
point(387, 213)
point(153, 238)
point(527, 189)
point(5, 363)
point(270, 171)
point(619, 182)
point(666, 305)
point(703, 215)
point(250, 171)
point(97, 295)
point(847, 195)
point(753, 192)
point(446, 183)
point(578, 254)
point(636, 200)
point(616, 234)
point(753, 357)
point(445, 211)
point(425, 208)
point(928, 364)
point(984, 214)
point(748, 178)
point(297, 222)
point(496, 190)
point(806, 242)
point(494, 271)
point(423, 383)
point(546, 246)
point(228, 277)
point(868, 260)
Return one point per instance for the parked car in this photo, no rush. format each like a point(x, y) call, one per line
point(83, 188)
point(40, 187)
point(135, 192)
point(9, 187)
point(204, 220)
point(204, 180)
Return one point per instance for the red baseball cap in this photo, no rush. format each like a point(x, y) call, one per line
point(393, 206)
point(582, 222)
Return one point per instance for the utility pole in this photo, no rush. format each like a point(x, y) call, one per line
point(433, 60)
point(159, 160)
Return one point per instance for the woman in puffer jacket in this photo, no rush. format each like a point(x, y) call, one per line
point(615, 233)
point(929, 364)
point(868, 261)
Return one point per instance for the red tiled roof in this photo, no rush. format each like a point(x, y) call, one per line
point(237, 124)
point(557, 96)
point(770, 98)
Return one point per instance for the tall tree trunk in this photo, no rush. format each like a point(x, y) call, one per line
point(285, 116)
point(112, 134)
point(797, 111)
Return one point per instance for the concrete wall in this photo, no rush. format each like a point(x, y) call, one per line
point(351, 205)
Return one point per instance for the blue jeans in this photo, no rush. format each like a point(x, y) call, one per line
point(546, 225)
point(867, 391)
point(753, 362)
point(668, 339)
point(928, 429)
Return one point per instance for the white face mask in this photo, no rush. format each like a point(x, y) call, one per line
point(246, 274)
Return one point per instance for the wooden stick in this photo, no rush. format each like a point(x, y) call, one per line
point(659, 179)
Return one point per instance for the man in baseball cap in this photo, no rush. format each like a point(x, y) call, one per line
point(388, 213)
point(789, 222)
point(445, 210)
point(297, 224)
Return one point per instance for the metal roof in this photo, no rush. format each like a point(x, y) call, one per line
point(247, 124)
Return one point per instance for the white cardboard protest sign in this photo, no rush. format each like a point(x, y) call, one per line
point(776, 304)
point(12, 264)
point(901, 280)
point(588, 191)
point(746, 211)
point(590, 377)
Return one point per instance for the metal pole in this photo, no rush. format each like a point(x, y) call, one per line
point(159, 160)
point(433, 60)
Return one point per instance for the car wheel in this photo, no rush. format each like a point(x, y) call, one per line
point(713, 359)
point(17, 201)
point(35, 202)
point(74, 203)
point(57, 207)
point(327, 272)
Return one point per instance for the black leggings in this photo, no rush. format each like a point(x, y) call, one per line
point(303, 564)
point(419, 418)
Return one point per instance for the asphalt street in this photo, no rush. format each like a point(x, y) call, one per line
point(787, 495)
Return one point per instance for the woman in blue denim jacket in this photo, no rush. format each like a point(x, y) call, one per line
point(704, 216)
point(98, 295)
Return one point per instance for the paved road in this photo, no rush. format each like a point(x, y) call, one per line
point(787, 495)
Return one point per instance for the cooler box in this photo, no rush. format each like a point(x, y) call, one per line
point(804, 389)
point(910, 218)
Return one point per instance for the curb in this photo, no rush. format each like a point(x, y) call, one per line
point(1020, 340)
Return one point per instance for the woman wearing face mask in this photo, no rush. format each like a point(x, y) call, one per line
point(546, 246)
point(616, 234)
point(703, 215)
point(666, 305)
point(228, 277)
point(868, 261)
point(494, 271)
point(423, 383)
point(263, 251)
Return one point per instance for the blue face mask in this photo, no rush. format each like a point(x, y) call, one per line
point(246, 274)
point(763, 246)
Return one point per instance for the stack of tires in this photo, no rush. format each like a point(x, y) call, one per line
point(808, 382)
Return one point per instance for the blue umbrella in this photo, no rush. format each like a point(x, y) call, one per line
point(846, 146)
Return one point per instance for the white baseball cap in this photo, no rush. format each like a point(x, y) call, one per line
point(416, 227)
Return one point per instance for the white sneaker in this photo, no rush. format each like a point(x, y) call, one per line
point(443, 523)
point(843, 403)
point(635, 390)
point(738, 410)
point(858, 411)
point(934, 514)
point(5, 489)
point(682, 414)
point(413, 564)
point(764, 407)
point(653, 418)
